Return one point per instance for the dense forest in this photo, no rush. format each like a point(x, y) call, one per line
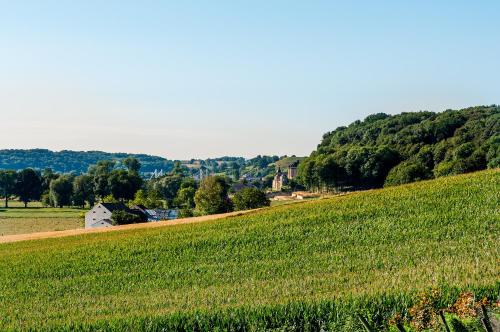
point(395, 149)
point(74, 161)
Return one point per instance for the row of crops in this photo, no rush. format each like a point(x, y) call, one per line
point(307, 266)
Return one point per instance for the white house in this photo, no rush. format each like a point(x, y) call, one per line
point(100, 214)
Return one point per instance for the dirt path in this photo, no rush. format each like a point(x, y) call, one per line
point(72, 232)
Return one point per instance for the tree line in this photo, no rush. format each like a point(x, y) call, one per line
point(385, 150)
point(108, 181)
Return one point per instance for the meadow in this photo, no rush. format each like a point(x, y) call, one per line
point(19, 220)
point(305, 266)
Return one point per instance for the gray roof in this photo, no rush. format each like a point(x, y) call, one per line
point(115, 206)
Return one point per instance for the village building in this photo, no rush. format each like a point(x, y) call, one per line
point(100, 214)
point(293, 170)
point(157, 214)
point(279, 180)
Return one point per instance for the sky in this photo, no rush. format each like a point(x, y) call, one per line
point(199, 79)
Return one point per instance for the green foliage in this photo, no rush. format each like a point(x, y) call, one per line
point(211, 197)
point(302, 267)
point(7, 184)
point(61, 190)
point(83, 190)
point(132, 164)
point(250, 198)
point(186, 213)
point(101, 173)
point(151, 199)
point(185, 197)
point(167, 186)
point(123, 185)
point(407, 172)
point(109, 199)
point(74, 161)
point(121, 217)
point(28, 186)
point(422, 144)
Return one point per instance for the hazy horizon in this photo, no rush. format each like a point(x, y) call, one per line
point(184, 81)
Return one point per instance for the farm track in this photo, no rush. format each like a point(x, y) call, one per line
point(80, 231)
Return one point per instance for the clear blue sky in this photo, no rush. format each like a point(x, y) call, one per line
point(186, 79)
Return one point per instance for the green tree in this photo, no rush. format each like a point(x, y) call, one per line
point(211, 197)
point(47, 176)
point(133, 165)
point(123, 185)
point(61, 190)
point(100, 174)
point(83, 190)
point(250, 198)
point(407, 172)
point(185, 197)
point(7, 184)
point(151, 199)
point(168, 186)
point(28, 186)
point(154, 199)
point(121, 217)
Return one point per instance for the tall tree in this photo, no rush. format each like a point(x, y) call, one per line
point(83, 190)
point(7, 184)
point(212, 197)
point(133, 165)
point(168, 186)
point(47, 176)
point(101, 173)
point(61, 190)
point(123, 185)
point(250, 198)
point(28, 186)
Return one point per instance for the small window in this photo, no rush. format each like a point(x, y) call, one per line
point(93, 211)
point(93, 218)
point(104, 211)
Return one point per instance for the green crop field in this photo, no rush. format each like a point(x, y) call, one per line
point(296, 267)
point(19, 220)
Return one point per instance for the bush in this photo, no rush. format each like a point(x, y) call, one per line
point(407, 172)
point(185, 213)
point(443, 169)
point(212, 197)
point(250, 198)
point(121, 217)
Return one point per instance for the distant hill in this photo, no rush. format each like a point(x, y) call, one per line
point(74, 161)
point(67, 161)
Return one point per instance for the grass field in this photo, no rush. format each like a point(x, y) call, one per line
point(19, 220)
point(294, 267)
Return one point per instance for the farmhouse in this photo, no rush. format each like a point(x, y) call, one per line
point(100, 214)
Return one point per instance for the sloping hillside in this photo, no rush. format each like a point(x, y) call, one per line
point(302, 266)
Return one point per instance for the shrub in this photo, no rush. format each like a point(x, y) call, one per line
point(250, 198)
point(443, 169)
point(212, 197)
point(407, 172)
point(121, 217)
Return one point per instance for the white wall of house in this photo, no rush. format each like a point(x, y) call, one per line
point(97, 214)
